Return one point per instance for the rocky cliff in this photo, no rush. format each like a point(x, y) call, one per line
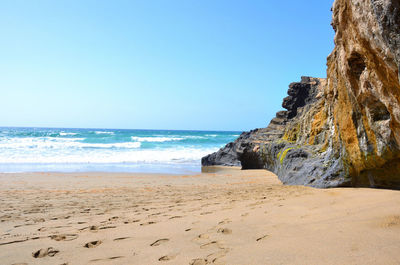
point(343, 130)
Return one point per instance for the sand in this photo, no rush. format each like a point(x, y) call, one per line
point(223, 217)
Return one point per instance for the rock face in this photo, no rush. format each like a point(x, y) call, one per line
point(343, 130)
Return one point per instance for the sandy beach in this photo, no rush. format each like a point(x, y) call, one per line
point(228, 216)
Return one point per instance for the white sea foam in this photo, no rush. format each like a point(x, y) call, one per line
point(112, 145)
point(155, 139)
point(172, 155)
point(98, 149)
point(195, 137)
point(103, 132)
point(58, 149)
point(67, 133)
point(58, 143)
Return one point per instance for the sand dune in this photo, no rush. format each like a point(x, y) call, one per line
point(222, 217)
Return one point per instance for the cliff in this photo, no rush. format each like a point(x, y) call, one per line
point(343, 130)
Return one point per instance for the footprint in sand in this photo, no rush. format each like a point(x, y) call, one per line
point(131, 221)
point(167, 258)
point(121, 238)
point(225, 231)
point(200, 239)
point(225, 221)
point(154, 214)
point(159, 242)
point(91, 228)
point(148, 223)
point(212, 244)
point(198, 262)
point(261, 238)
point(215, 257)
point(203, 236)
point(174, 217)
point(110, 258)
point(41, 253)
point(64, 237)
point(107, 227)
point(93, 244)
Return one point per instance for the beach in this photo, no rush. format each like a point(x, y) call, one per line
point(200, 132)
point(223, 216)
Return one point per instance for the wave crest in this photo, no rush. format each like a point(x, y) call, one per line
point(155, 139)
point(104, 132)
point(59, 143)
point(170, 155)
point(67, 133)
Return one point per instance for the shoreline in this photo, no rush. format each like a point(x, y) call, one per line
point(229, 216)
point(203, 169)
point(123, 168)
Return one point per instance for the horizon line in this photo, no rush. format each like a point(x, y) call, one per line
point(97, 128)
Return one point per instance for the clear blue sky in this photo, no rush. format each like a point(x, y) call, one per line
point(157, 64)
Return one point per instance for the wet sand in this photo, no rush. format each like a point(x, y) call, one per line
point(224, 217)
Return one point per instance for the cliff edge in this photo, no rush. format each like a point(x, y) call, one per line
point(343, 130)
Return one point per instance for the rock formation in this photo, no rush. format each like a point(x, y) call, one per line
point(343, 130)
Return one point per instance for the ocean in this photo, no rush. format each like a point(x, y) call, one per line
point(107, 150)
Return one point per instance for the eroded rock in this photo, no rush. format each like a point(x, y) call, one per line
point(343, 130)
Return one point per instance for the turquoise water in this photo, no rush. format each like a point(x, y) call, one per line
point(114, 150)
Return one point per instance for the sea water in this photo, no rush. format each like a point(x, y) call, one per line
point(109, 150)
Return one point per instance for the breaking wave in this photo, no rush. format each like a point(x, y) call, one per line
point(32, 148)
